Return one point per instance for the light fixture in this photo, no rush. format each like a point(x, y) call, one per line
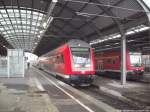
point(41, 1)
point(44, 25)
point(39, 36)
point(41, 31)
point(50, 19)
point(54, 1)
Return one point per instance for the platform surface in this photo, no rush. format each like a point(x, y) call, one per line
point(40, 92)
point(138, 91)
point(22, 95)
point(67, 98)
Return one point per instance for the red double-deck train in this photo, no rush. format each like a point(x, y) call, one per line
point(110, 62)
point(73, 61)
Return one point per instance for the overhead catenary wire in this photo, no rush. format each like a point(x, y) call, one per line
point(106, 16)
point(88, 15)
point(104, 5)
point(68, 18)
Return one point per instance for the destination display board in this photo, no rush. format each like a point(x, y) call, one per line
point(80, 49)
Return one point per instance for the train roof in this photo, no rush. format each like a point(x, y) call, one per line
point(70, 43)
point(78, 43)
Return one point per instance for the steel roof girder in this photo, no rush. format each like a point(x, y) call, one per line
point(97, 16)
point(123, 44)
point(146, 9)
point(143, 5)
point(69, 21)
point(50, 9)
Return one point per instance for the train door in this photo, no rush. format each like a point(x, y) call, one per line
point(100, 65)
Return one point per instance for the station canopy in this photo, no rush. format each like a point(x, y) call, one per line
point(39, 26)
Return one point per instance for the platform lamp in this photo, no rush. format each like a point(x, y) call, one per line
point(48, 18)
point(48, 22)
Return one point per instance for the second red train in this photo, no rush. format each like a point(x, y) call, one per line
point(110, 62)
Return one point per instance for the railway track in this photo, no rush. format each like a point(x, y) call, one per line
point(143, 81)
point(146, 81)
point(115, 102)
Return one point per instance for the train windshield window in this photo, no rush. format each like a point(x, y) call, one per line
point(136, 59)
point(81, 56)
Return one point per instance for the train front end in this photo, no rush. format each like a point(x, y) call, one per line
point(136, 68)
point(82, 63)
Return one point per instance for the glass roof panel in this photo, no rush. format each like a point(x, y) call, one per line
point(3, 11)
point(20, 27)
point(130, 31)
point(5, 15)
point(1, 28)
point(23, 11)
point(35, 13)
point(10, 10)
point(29, 12)
point(23, 15)
point(35, 17)
point(16, 14)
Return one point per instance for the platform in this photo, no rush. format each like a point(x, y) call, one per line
point(23, 95)
point(40, 92)
point(68, 99)
point(147, 76)
point(133, 91)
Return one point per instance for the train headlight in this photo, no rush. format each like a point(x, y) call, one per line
point(77, 65)
point(87, 65)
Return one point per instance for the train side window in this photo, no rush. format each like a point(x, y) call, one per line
point(119, 58)
point(53, 59)
point(62, 58)
point(109, 61)
point(113, 61)
point(57, 59)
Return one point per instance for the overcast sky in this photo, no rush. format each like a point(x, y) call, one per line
point(147, 2)
point(31, 57)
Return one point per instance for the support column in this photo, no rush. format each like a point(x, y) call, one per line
point(123, 59)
